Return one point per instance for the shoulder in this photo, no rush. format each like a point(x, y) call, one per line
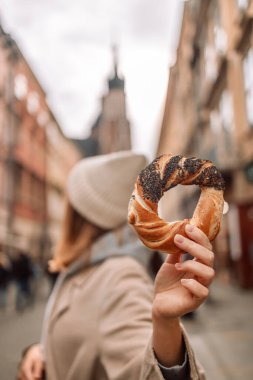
point(122, 277)
point(126, 288)
point(115, 277)
point(116, 268)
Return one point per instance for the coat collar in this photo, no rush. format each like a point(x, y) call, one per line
point(119, 243)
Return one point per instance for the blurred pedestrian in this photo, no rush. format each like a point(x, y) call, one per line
point(22, 271)
point(5, 276)
point(104, 319)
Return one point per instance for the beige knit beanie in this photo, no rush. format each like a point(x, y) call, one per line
point(99, 187)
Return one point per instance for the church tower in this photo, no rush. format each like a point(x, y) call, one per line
point(111, 130)
point(114, 128)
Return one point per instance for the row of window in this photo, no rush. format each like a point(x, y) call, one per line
point(30, 190)
point(207, 64)
point(222, 116)
point(212, 45)
point(32, 99)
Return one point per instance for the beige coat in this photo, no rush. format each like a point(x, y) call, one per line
point(100, 326)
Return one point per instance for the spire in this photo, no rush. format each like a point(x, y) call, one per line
point(115, 82)
point(115, 59)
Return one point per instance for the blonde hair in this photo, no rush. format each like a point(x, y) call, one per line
point(77, 236)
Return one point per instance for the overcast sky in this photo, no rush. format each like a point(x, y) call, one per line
point(68, 46)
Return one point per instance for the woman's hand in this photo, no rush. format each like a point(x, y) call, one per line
point(32, 364)
point(180, 287)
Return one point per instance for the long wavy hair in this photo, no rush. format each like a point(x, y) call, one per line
point(77, 236)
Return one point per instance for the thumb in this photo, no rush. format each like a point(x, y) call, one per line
point(173, 258)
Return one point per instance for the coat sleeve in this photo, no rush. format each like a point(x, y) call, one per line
point(126, 327)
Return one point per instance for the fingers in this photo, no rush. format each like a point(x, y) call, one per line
point(196, 249)
point(199, 247)
point(25, 373)
point(32, 364)
point(204, 273)
point(38, 368)
point(198, 236)
point(198, 290)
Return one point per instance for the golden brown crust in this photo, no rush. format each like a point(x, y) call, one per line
point(162, 174)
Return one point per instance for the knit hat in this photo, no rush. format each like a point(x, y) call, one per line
point(99, 188)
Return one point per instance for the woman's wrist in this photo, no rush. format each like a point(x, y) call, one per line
point(162, 316)
point(162, 313)
point(167, 340)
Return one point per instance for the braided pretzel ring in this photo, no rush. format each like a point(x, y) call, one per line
point(162, 174)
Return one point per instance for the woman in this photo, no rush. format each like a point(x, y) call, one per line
point(104, 319)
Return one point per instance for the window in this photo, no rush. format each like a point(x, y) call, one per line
point(195, 6)
point(220, 39)
point(226, 111)
point(20, 86)
point(222, 117)
point(248, 84)
point(222, 125)
point(220, 36)
point(42, 118)
point(33, 102)
point(215, 43)
point(242, 4)
point(210, 63)
point(215, 123)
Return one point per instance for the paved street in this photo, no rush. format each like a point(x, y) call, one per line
point(221, 333)
point(18, 330)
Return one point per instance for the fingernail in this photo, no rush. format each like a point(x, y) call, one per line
point(179, 238)
point(184, 281)
point(189, 228)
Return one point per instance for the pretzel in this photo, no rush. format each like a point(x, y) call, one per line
point(162, 174)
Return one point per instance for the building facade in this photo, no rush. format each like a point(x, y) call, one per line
point(26, 159)
point(209, 114)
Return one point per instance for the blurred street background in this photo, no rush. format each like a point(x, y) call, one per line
point(88, 78)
